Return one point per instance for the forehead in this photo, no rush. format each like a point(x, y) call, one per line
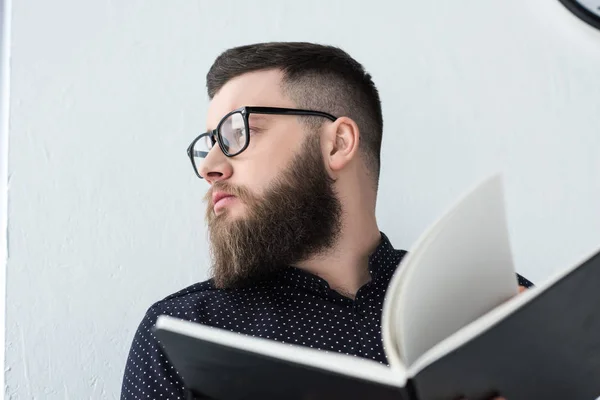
point(259, 88)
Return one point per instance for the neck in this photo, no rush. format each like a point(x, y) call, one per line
point(345, 267)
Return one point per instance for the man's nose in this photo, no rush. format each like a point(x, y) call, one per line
point(215, 166)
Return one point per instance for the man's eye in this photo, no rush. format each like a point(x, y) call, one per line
point(238, 136)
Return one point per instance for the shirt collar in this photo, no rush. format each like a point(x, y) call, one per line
point(384, 260)
point(382, 264)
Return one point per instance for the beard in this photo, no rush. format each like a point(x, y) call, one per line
point(299, 216)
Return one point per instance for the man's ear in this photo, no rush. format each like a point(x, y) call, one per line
point(340, 143)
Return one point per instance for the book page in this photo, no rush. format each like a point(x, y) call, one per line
point(490, 319)
point(460, 269)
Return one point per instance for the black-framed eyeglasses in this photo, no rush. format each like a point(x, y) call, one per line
point(232, 132)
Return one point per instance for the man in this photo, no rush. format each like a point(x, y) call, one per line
point(292, 157)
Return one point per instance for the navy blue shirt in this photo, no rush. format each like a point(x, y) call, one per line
point(293, 306)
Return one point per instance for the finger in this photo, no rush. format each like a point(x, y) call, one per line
point(521, 290)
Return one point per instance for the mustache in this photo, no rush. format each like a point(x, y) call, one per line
point(241, 193)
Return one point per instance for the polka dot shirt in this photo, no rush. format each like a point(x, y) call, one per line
point(293, 307)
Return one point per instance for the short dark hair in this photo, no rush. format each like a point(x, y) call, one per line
point(319, 77)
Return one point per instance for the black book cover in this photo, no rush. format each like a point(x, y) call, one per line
point(548, 349)
point(218, 372)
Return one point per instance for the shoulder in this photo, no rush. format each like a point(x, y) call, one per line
point(148, 373)
point(186, 303)
point(202, 301)
point(197, 289)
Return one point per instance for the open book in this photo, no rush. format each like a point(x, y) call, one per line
point(452, 325)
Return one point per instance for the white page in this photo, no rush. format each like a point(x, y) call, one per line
point(490, 319)
point(459, 269)
point(360, 368)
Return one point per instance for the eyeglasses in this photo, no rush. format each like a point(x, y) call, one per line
point(232, 132)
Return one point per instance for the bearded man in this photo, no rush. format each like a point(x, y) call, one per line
point(292, 158)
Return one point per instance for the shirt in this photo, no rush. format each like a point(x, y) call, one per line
point(293, 307)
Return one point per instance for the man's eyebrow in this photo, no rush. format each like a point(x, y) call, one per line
point(258, 117)
point(253, 117)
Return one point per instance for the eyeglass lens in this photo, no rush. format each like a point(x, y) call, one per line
point(233, 137)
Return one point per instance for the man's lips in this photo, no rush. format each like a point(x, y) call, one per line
point(221, 198)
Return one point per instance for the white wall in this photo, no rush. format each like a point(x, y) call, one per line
point(4, 102)
point(105, 213)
